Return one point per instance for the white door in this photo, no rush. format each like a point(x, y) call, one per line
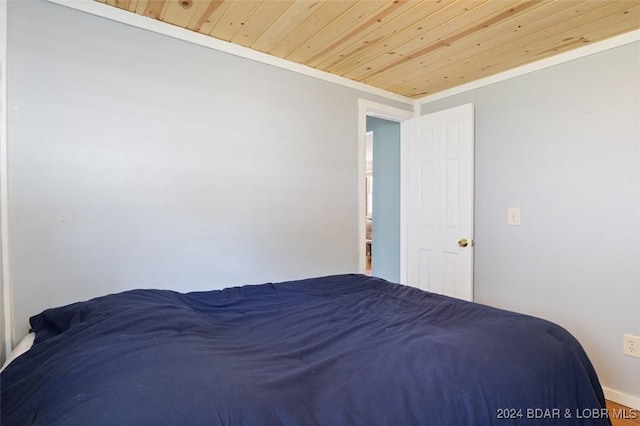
point(439, 202)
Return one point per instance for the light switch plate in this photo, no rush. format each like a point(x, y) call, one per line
point(513, 216)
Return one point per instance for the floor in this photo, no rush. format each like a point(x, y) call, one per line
point(622, 416)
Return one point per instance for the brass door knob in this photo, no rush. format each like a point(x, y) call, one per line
point(463, 243)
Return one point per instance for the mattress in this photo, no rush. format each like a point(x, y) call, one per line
point(336, 350)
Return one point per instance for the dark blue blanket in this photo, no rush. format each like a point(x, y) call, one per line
point(340, 350)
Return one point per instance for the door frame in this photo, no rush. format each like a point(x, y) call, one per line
point(386, 112)
point(6, 333)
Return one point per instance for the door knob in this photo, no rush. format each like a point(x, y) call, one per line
point(463, 243)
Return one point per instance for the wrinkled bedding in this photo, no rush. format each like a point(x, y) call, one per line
point(338, 350)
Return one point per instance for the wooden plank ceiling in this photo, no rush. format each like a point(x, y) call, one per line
point(413, 48)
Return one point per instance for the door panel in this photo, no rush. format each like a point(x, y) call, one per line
point(439, 201)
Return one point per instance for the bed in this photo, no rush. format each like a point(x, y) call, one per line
point(336, 350)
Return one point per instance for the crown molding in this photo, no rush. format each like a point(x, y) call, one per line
point(112, 13)
point(129, 18)
point(561, 58)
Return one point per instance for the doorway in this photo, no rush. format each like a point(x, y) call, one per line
point(368, 219)
point(382, 220)
point(393, 116)
point(452, 128)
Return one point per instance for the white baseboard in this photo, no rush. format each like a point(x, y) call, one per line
point(622, 398)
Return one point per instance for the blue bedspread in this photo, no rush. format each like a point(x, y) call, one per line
point(339, 350)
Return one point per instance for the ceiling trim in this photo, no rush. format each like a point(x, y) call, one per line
point(115, 14)
point(112, 13)
point(581, 52)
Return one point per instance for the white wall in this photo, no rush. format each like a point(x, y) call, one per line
point(138, 161)
point(563, 144)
